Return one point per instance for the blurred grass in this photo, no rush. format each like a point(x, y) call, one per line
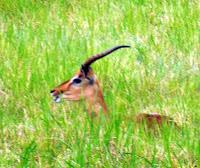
point(43, 43)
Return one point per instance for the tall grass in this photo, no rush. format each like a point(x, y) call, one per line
point(43, 43)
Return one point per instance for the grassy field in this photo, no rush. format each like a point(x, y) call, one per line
point(43, 43)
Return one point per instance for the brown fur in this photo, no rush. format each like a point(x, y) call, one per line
point(154, 119)
point(91, 93)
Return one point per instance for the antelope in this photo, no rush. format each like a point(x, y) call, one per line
point(85, 85)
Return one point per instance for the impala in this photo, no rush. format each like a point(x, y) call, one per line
point(85, 85)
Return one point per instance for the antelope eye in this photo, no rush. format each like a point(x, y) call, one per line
point(77, 81)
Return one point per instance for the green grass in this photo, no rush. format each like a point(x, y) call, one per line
point(43, 43)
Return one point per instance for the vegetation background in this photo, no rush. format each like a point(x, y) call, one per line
point(43, 43)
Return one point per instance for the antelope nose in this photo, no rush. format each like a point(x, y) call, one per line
point(52, 91)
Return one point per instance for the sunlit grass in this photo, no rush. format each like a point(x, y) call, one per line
point(43, 43)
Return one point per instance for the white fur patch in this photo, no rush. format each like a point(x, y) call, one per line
point(57, 99)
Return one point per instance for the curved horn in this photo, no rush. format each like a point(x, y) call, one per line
point(92, 59)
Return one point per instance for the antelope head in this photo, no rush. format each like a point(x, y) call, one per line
point(84, 85)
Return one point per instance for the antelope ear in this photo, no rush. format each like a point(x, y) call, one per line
point(85, 69)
